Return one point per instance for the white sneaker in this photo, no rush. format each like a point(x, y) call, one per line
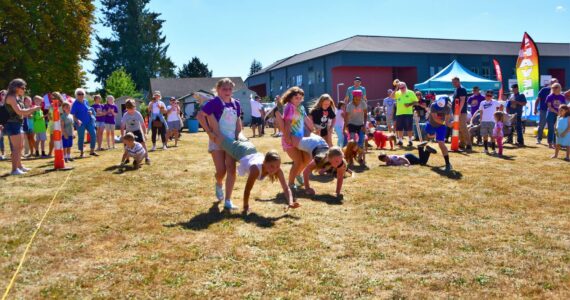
point(17, 172)
point(494, 152)
point(164, 147)
point(229, 205)
point(2, 157)
point(153, 148)
point(486, 151)
point(219, 192)
point(25, 170)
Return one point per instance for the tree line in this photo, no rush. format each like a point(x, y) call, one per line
point(46, 41)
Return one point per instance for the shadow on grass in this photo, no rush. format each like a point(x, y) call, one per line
point(453, 174)
point(322, 178)
point(506, 157)
point(328, 199)
point(120, 169)
point(359, 168)
point(281, 200)
point(215, 215)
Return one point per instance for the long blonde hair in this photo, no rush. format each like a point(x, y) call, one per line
point(272, 156)
point(323, 98)
point(322, 160)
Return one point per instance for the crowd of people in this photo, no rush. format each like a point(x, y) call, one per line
point(28, 122)
point(306, 135)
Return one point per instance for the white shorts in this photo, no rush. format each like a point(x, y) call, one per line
point(110, 127)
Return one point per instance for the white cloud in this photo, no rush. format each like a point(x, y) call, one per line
point(560, 9)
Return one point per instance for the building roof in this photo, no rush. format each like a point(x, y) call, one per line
point(362, 43)
point(178, 87)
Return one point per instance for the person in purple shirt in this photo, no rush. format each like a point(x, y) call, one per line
point(553, 102)
point(111, 111)
point(82, 116)
point(99, 119)
point(475, 100)
point(541, 109)
point(221, 117)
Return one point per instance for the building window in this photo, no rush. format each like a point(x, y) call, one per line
point(299, 80)
point(475, 70)
point(486, 72)
point(431, 71)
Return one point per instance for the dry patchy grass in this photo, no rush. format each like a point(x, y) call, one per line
point(499, 228)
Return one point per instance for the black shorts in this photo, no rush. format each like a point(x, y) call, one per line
point(404, 123)
point(256, 121)
point(138, 136)
point(354, 128)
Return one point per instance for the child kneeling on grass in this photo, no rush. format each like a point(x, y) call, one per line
point(133, 149)
point(353, 151)
point(256, 166)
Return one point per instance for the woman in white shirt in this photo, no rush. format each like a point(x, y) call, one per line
point(174, 121)
point(339, 123)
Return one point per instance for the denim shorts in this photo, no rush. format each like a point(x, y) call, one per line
point(13, 128)
point(100, 124)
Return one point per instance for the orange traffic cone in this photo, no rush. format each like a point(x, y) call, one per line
point(58, 162)
point(455, 132)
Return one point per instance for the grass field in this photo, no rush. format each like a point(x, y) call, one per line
point(497, 228)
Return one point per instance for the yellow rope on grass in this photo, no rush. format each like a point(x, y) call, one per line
point(5, 296)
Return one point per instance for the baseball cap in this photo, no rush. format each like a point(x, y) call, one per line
point(357, 78)
point(156, 93)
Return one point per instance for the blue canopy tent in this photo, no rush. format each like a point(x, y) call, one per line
point(441, 82)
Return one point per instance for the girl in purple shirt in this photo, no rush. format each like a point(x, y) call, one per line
point(221, 117)
point(553, 102)
point(111, 111)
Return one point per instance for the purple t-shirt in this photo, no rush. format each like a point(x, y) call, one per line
point(97, 108)
point(216, 106)
point(474, 101)
point(555, 101)
point(109, 118)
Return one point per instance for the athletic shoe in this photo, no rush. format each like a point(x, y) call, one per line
point(400, 143)
point(17, 172)
point(153, 148)
point(219, 192)
point(229, 205)
point(2, 157)
point(486, 151)
point(164, 147)
point(494, 152)
point(300, 180)
point(146, 161)
point(538, 142)
point(25, 170)
point(448, 168)
point(93, 154)
point(431, 150)
point(410, 144)
point(422, 144)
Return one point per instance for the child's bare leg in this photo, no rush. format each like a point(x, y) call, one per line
point(556, 150)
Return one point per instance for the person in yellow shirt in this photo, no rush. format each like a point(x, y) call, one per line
point(405, 101)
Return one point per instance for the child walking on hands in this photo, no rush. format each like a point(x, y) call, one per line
point(133, 149)
point(257, 166)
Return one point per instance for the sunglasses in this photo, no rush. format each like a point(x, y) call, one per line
point(80, 94)
point(489, 95)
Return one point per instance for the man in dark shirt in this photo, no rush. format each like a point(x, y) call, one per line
point(517, 103)
point(541, 109)
point(460, 95)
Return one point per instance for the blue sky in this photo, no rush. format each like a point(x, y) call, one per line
point(229, 34)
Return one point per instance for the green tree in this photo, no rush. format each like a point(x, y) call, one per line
point(137, 43)
point(121, 84)
point(194, 68)
point(256, 66)
point(44, 42)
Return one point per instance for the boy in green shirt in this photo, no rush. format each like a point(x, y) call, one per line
point(39, 127)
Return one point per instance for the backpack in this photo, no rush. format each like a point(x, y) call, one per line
point(4, 115)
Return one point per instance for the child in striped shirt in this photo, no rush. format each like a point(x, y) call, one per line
point(133, 149)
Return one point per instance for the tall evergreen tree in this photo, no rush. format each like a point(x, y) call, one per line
point(255, 67)
point(44, 42)
point(194, 68)
point(137, 43)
